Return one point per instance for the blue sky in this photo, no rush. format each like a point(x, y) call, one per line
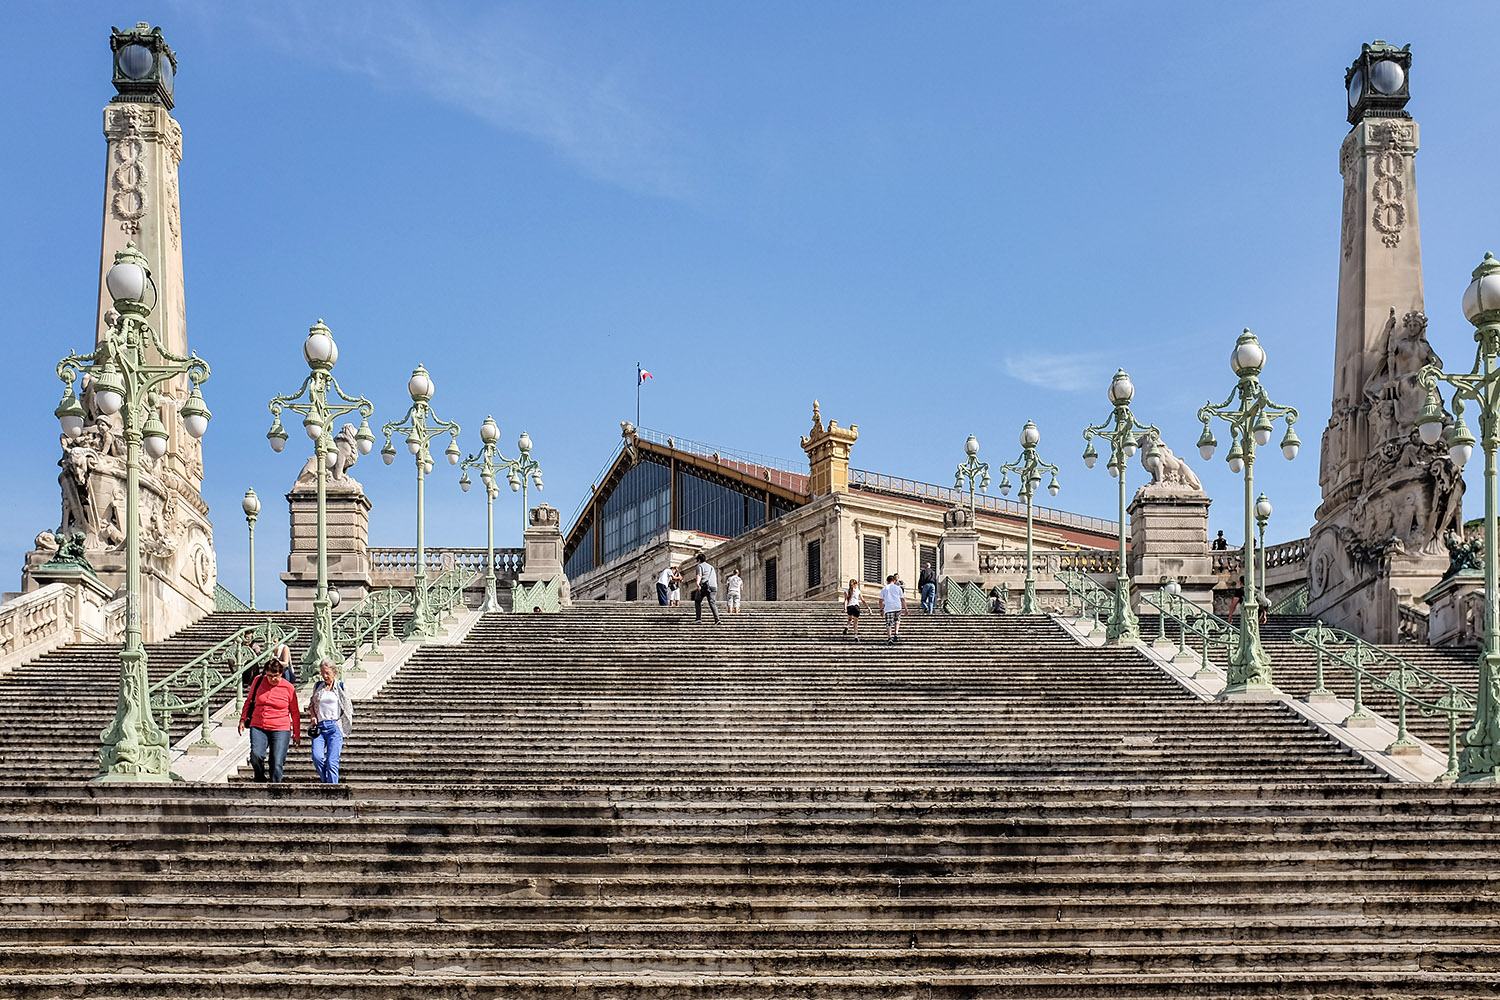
point(937, 219)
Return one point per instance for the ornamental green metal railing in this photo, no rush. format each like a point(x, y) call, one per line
point(195, 686)
point(1091, 598)
point(362, 625)
point(1210, 630)
point(446, 593)
point(1368, 662)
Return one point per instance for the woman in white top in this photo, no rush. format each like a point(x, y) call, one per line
point(852, 604)
point(332, 716)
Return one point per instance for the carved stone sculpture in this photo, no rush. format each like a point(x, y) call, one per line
point(1172, 471)
point(346, 446)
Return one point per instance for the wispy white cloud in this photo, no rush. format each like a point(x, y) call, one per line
point(492, 64)
point(1071, 371)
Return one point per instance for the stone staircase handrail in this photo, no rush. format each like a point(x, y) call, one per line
point(1369, 662)
point(1414, 624)
point(213, 672)
point(876, 482)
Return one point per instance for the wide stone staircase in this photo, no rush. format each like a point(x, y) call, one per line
point(53, 709)
point(620, 803)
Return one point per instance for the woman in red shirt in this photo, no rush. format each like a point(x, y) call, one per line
point(271, 712)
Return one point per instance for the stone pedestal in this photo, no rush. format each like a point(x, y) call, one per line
point(1169, 541)
point(348, 544)
point(1456, 615)
point(958, 552)
point(542, 585)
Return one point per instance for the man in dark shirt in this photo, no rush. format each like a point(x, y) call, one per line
point(927, 584)
point(1220, 544)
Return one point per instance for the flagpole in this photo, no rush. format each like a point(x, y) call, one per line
point(637, 396)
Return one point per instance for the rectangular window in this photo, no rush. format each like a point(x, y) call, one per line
point(814, 563)
point(770, 579)
point(631, 590)
point(874, 564)
point(926, 556)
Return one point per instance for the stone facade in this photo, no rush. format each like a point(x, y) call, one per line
point(838, 531)
point(1388, 500)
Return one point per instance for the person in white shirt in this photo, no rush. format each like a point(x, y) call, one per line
point(732, 587)
point(332, 715)
point(892, 602)
point(852, 603)
point(664, 587)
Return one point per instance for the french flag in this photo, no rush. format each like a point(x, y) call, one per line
point(641, 375)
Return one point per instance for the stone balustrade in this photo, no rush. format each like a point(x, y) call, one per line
point(1293, 553)
point(1012, 562)
point(396, 567)
point(55, 615)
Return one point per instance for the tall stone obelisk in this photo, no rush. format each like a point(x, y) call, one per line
point(142, 152)
point(1388, 499)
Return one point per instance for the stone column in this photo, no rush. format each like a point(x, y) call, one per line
point(143, 148)
point(1388, 499)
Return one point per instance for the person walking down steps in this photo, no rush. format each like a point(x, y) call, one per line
point(705, 588)
point(892, 602)
point(332, 715)
point(274, 719)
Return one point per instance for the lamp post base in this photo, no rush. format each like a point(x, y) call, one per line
point(420, 625)
point(1251, 692)
point(1028, 598)
point(491, 603)
point(135, 748)
point(1122, 626)
point(322, 646)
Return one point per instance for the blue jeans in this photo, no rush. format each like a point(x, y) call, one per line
point(272, 743)
point(662, 594)
point(327, 747)
point(929, 596)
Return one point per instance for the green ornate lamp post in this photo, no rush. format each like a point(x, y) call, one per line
point(1029, 468)
point(489, 433)
point(971, 470)
point(318, 415)
point(420, 425)
point(251, 506)
point(1123, 432)
point(1480, 758)
point(1251, 423)
point(520, 471)
point(127, 367)
point(1262, 515)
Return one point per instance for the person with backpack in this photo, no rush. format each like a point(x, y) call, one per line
point(272, 714)
point(332, 715)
